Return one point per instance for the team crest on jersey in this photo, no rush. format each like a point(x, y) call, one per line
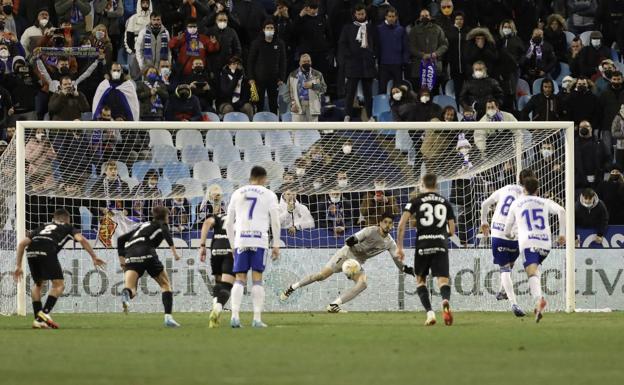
point(106, 231)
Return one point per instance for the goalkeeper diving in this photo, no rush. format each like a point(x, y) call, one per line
point(361, 246)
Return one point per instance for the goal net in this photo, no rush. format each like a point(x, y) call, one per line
point(333, 179)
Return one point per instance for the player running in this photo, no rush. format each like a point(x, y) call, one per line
point(435, 223)
point(504, 250)
point(42, 247)
point(531, 214)
point(137, 254)
point(221, 260)
point(361, 246)
point(252, 210)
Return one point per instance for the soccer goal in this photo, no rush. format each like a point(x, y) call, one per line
point(333, 179)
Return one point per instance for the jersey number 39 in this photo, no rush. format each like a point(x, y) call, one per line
point(431, 213)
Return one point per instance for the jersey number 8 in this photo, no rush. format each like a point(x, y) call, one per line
point(431, 213)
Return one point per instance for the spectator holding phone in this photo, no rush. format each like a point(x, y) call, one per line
point(68, 103)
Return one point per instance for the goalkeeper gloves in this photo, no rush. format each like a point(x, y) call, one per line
point(409, 270)
point(351, 241)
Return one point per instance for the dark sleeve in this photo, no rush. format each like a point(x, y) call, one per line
point(70, 230)
point(604, 220)
point(252, 58)
point(121, 243)
point(411, 206)
point(167, 235)
point(283, 62)
point(528, 108)
point(450, 214)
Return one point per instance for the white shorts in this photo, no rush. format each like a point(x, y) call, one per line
point(335, 263)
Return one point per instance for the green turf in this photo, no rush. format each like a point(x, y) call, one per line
point(303, 348)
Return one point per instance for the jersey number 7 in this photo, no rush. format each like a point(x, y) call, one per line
point(253, 201)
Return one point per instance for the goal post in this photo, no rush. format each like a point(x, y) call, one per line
point(508, 145)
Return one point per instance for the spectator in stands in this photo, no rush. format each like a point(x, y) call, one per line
point(540, 57)
point(427, 42)
point(402, 101)
point(456, 35)
point(480, 46)
point(493, 113)
point(267, 65)
point(135, 24)
point(33, 34)
point(611, 193)
point(583, 104)
point(446, 17)
point(10, 131)
point(39, 155)
point(294, 216)
point(589, 157)
point(592, 55)
point(111, 187)
point(424, 109)
point(591, 213)
point(152, 94)
point(146, 196)
point(609, 19)
point(78, 165)
point(23, 87)
point(284, 31)
point(180, 212)
point(449, 114)
point(337, 212)
point(376, 203)
point(234, 91)
point(13, 23)
point(3, 146)
point(101, 41)
point(183, 106)
point(165, 71)
point(68, 103)
point(543, 106)
point(603, 77)
point(212, 204)
point(29, 9)
point(548, 167)
point(89, 85)
point(152, 43)
point(250, 15)
point(75, 12)
point(568, 84)
point(305, 88)
point(469, 114)
point(480, 88)
point(201, 85)
point(6, 108)
point(119, 93)
point(189, 45)
point(392, 50)
point(617, 134)
point(581, 14)
point(229, 44)
point(573, 57)
point(357, 51)
point(609, 100)
point(554, 34)
point(108, 14)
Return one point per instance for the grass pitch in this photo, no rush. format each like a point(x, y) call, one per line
point(314, 348)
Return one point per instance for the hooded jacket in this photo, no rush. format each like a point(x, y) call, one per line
point(594, 217)
point(473, 53)
point(544, 108)
point(135, 24)
point(300, 217)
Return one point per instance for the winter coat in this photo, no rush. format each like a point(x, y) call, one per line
point(65, 8)
point(135, 24)
point(610, 100)
point(589, 160)
point(543, 108)
point(512, 54)
point(185, 58)
point(313, 34)
point(424, 39)
point(358, 62)
point(581, 13)
point(139, 47)
point(250, 15)
point(590, 58)
point(179, 109)
point(617, 131)
point(609, 18)
point(584, 106)
point(456, 49)
point(557, 38)
point(227, 85)
point(314, 93)
point(300, 217)
point(595, 217)
point(392, 47)
point(144, 94)
point(67, 107)
point(478, 91)
point(229, 46)
point(266, 61)
point(612, 194)
point(546, 64)
point(110, 18)
point(473, 53)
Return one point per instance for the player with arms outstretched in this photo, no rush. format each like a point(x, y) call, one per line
point(221, 259)
point(435, 222)
point(137, 254)
point(42, 247)
point(504, 250)
point(361, 246)
point(531, 214)
point(252, 210)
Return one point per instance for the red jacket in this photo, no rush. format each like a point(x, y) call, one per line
point(185, 57)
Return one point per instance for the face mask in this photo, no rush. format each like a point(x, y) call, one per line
point(221, 24)
point(616, 86)
point(300, 171)
point(198, 70)
point(491, 112)
point(334, 199)
point(151, 185)
point(581, 88)
point(64, 70)
point(192, 30)
point(116, 75)
point(447, 11)
point(584, 131)
point(317, 185)
point(468, 117)
point(458, 25)
point(306, 67)
point(269, 34)
point(547, 153)
point(586, 204)
point(145, 9)
point(43, 22)
point(39, 136)
point(184, 93)
point(608, 74)
point(595, 43)
point(380, 187)
point(397, 96)
point(614, 177)
point(567, 84)
point(317, 157)
point(7, 9)
point(537, 40)
point(152, 77)
point(464, 151)
point(347, 149)
point(165, 72)
point(425, 20)
point(4, 53)
point(424, 99)
point(99, 35)
point(507, 31)
point(343, 182)
point(479, 74)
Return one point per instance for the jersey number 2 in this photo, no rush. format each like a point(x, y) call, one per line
point(430, 212)
point(48, 230)
point(253, 201)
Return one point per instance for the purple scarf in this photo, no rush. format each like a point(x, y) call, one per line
point(427, 74)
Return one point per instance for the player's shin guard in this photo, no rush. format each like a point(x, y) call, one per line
point(49, 304)
point(445, 291)
point(423, 294)
point(507, 284)
point(535, 286)
point(237, 298)
point(37, 307)
point(223, 292)
point(359, 287)
point(167, 300)
point(257, 298)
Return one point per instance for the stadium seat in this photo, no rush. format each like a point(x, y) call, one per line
point(275, 172)
point(223, 155)
point(238, 171)
point(386, 116)
point(122, 169)
point(160, 137)
point(615, 56)
point(204, 171)
point(537, 86)
point(287, 155)
point(287, 117)
point(86, 219)
point(193, 188)
point(403, 141)
point(522, 101)
point(245, 139)
point(449, 88)
point(275, 139)
point(585, 37)
point(208, 116)
point(140, 168)
point(305, 139)
point(188, 138)
point(235, 117)
point(569, 37)
point(218, 138)
point(86, 116)
point(265, 116)
point(164, 185)
point(176, 170)
point(381, 104)
point(563, 72)
point(257, 154)
point(522, 88)
point(162, 154)
point(194, 153)
point(445, 101)
point(132, 182)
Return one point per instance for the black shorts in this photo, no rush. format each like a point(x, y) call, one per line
point(434, 259)
point(221, 263)
point(141, 264)
point(44, 267)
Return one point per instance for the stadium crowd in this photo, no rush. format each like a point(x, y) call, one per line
point(310, 60)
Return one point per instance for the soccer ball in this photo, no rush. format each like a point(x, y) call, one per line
point(351, 267)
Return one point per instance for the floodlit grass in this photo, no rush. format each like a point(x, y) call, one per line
point(314, 348)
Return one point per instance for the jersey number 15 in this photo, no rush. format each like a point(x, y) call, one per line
point(535, 219)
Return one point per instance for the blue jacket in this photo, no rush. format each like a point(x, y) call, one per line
point(392, 46)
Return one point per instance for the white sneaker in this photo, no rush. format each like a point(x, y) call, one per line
point(170, 322)
point(258, 324)
point(39, 325)
point(431, 319)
